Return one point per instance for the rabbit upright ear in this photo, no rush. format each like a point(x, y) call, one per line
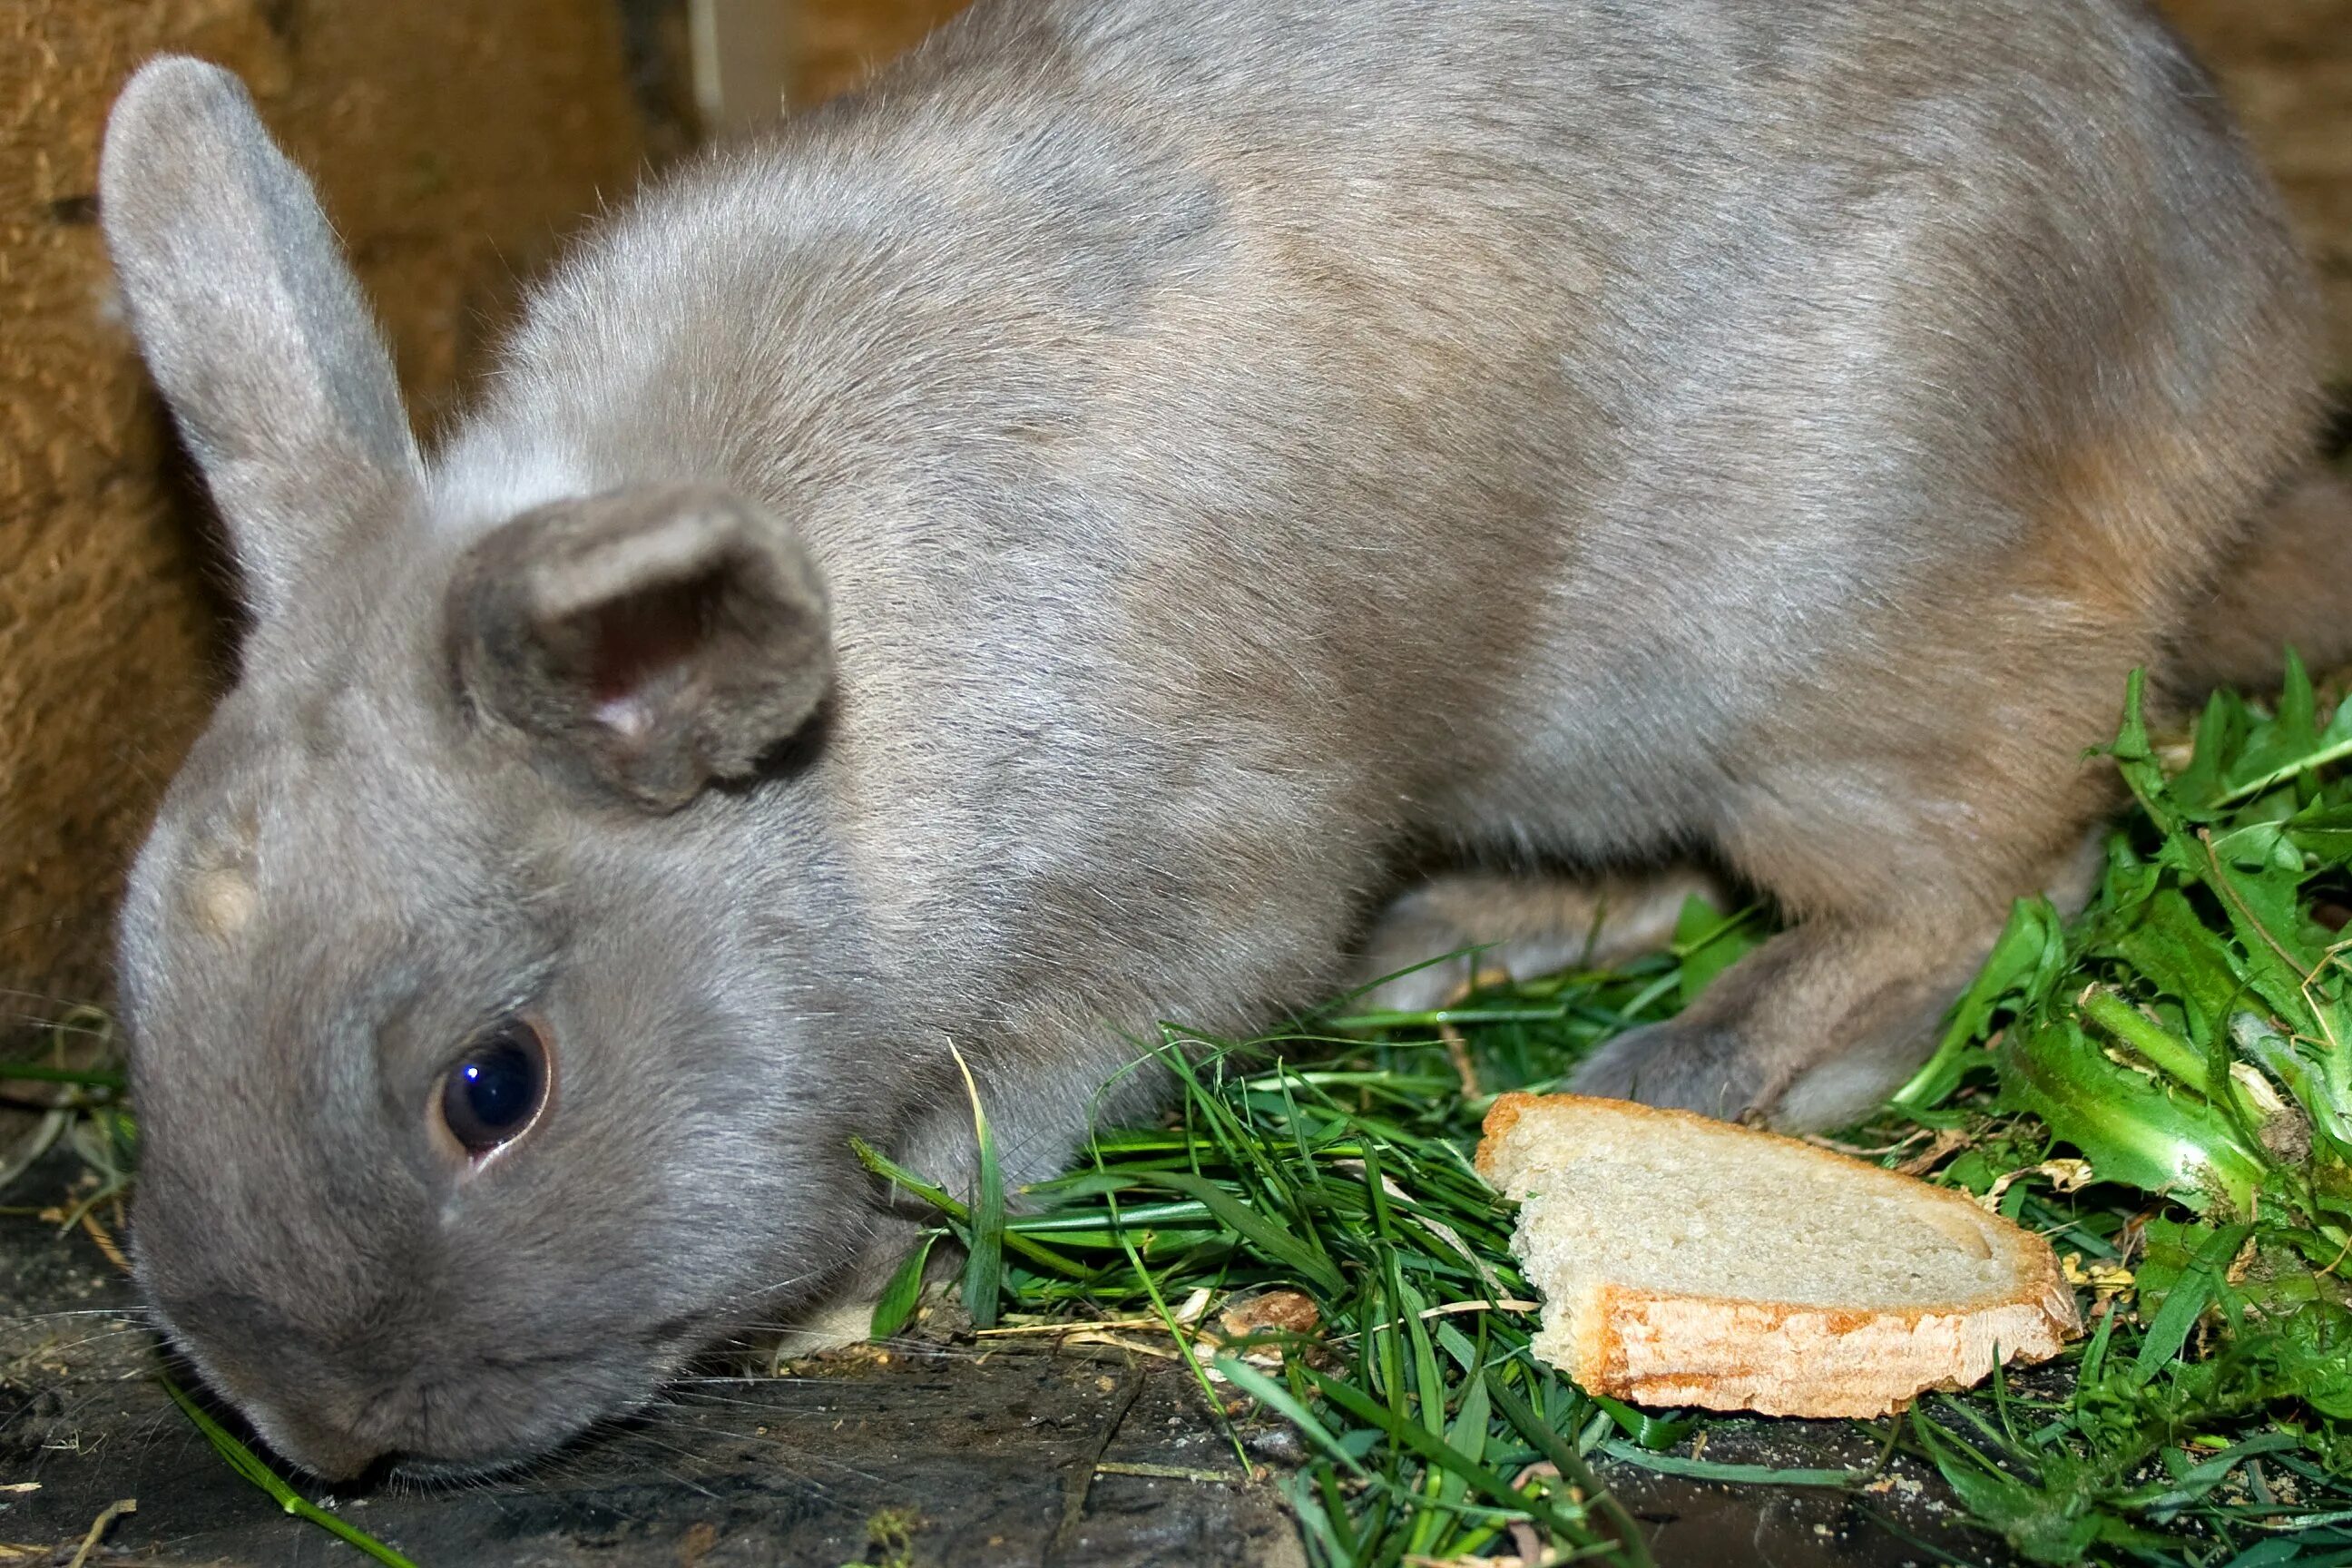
point(655, 640)
point(251, 322)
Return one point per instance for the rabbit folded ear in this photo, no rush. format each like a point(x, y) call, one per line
point(251, 323)
point(656, 640)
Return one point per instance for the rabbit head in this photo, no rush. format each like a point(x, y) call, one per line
point(465, 1110)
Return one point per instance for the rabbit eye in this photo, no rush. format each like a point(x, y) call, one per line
point(497, 1087)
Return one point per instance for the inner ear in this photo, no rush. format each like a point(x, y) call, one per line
point(653, 641)
point(642, 650)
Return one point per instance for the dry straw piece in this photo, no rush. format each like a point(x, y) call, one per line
point(1687, 1261)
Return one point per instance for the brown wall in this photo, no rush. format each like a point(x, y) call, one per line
point(834, 44)
point(2287, 65)
point(453, 140)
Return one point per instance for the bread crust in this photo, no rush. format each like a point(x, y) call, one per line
point(1785, 1358)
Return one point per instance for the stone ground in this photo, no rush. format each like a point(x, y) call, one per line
point(1088, 1457)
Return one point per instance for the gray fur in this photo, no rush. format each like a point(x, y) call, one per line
point(252, 325)
point(1240, 451)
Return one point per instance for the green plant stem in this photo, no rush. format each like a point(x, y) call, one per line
point(250, 1465)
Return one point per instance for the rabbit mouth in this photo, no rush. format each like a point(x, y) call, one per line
point(426, 1473)
point(527, 1453)
point(501, 1416)
point(506, 1413)
point(443, 1474)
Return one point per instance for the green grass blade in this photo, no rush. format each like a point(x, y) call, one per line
point(890, 1171)
point(956, 1209)
point(86, 1078)
point(1711, 1470)
point(249, 1465)
point(983, 1265)
point(1279, 1399)
point(2199, 1287)
point(897, 1303)
point(1313, 1267)
point(1423, 1444)
point(1634, 1551)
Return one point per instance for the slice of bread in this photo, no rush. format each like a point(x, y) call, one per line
point(1687, 1261)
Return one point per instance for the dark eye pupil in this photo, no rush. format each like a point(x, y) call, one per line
point(494, 1089)
point(498, 1087)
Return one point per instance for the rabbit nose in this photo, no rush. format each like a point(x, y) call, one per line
point(326, 1452)
point(337, 1459)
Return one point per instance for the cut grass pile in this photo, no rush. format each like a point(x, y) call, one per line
point(2162, 1085)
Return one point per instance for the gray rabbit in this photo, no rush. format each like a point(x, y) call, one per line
point(1052, 543)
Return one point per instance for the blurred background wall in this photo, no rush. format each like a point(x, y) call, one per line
point(457, 142)
point(835, 43)
point(454, 144)
point(2286, 66)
